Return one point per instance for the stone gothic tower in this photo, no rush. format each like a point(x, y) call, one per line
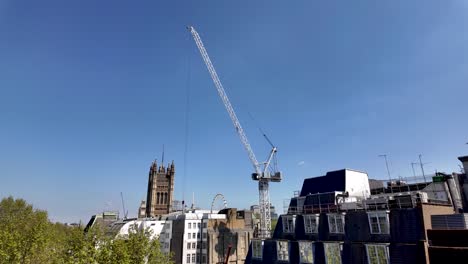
point(160, 190)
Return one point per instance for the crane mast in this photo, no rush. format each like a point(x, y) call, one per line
point(265, 171)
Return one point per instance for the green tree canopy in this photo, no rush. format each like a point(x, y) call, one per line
point(27, 236)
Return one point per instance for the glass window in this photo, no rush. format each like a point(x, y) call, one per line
point(189, 235)
point(188, 245)
point(193, 258)
point(377, 254)
point(306, 253)
point(198, 235)
point(257, 249)
point(203, 258)
point(203, 244)
point(194, 245)
point(198, 225)
point(204, 235)
point(332, 253)
point(282, 250)
point(336, 223)
point(288, 223)
point(378, 222)
point(189, 225)
point(188, 258)
point(198, 258)
point(204, 225)
point(311, 223)
point(193, 236)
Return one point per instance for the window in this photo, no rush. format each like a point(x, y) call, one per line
point(203, 245)
point(282, 250)
point(288, 223)
point(336, 223)
point(198, 235)
point(378, 222)
point(198, 258)
point(193, 258)
point(188, 258)
point(204, 225)
point(311, 223)
point(188, 245)
point(189, 225)
point(194, 236)
point(257, 249)
point(198, 225)
point(306, 254)
point(203, 259)
point(189, 235)
point(332, 253)
point(198, 246)
point(377, 254)
point(194, 245)
point(204, 235)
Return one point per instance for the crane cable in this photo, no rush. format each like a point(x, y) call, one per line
point(187, 123)
point(275, 162)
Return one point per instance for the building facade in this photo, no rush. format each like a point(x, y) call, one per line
point(199, 236)
point(160, 190)
point(335, 219)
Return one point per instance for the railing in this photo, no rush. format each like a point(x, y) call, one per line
point(368, 205)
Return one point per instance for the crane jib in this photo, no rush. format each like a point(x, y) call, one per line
point(261, 174)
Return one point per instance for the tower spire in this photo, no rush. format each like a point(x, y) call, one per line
point(162, 158)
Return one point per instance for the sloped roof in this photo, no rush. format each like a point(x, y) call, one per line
point(331, 182)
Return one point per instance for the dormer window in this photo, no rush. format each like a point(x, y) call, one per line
point(311, 223)
point(378, 222)
point(336, 223)
point(257, 248)
point(289, 223)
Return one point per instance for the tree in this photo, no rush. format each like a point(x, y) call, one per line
point(27, 236)
point(23, 232)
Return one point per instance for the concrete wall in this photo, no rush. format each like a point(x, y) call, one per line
point(177, 242)
point(236, 230)
point(357, 183)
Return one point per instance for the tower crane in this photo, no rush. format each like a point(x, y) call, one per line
point(264, 172)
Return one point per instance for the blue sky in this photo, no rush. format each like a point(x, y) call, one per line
point(91, 90)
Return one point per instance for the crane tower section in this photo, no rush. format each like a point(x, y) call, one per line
point(264, 172)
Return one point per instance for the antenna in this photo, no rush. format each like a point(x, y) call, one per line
point(422, 168)
point(388, 171)
point(193, 200)
point(123, 205)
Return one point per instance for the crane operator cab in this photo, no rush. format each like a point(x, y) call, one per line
point(276, 177)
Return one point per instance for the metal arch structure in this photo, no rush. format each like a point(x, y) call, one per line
point(220, 196)
point(264, 172)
